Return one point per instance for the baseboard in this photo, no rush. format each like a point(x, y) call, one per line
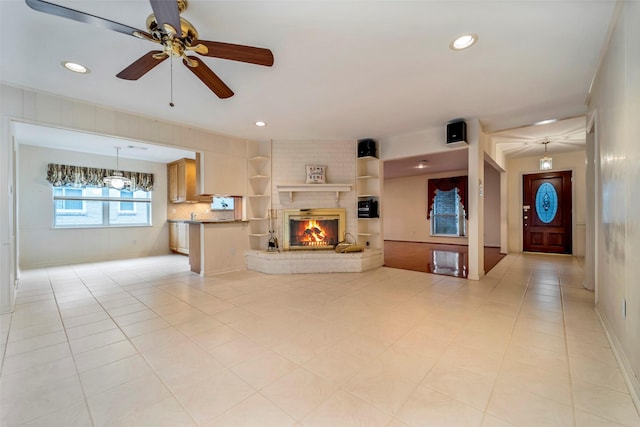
point(627, 373)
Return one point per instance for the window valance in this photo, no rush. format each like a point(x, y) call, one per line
point(448, 184)
point(79, 176)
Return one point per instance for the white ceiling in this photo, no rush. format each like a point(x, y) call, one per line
point(343, 69)
point(445, 161)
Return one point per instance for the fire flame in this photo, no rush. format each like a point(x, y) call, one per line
point(314, 234)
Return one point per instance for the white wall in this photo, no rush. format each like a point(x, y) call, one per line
point(289, 159)
point(615, 101)
point(516, 168)
point(405, 209)
point(42, 245)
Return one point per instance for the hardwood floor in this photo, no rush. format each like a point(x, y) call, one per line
point(436, 258)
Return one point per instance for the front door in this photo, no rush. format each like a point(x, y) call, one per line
point(546, 212)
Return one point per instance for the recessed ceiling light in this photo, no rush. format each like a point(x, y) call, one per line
point(260, 123)
point(422, 164)
point(463, 42)
point(75, 67)
point(545, 122)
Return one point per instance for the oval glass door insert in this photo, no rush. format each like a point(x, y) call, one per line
point(546, 202)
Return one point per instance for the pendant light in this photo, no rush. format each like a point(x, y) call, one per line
point(546, 163)
point(117, 179)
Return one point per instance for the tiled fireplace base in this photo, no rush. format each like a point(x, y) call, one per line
point(325, 261)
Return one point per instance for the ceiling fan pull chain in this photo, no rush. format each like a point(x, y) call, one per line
point(171, 83)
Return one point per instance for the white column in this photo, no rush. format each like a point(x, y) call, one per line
point(476, 200)
point(504, 241)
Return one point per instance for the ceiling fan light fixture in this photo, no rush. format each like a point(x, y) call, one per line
point(463, 42)
point(75, 67)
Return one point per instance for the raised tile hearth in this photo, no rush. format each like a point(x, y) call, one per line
point(297, 262)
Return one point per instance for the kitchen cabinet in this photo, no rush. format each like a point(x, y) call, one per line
point(179, 237)
point(219, 173)
point(173, 236)
point(182, 181)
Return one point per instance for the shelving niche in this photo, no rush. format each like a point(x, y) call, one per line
point(369, 187)
point(259, 197)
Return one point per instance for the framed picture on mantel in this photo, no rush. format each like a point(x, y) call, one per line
point(316, 174)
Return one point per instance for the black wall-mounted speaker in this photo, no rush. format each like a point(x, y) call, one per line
point(457, 132)
point(367, 147)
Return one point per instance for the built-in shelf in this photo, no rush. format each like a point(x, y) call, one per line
point(259, 197)
point(300, 188)
point(369, 173)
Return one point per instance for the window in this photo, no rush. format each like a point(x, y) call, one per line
point(127, 207)
point(100, 207)
point(68, 206)
point(447, 217)
point(447, 201)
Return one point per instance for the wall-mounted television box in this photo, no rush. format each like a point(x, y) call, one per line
point(221, 203)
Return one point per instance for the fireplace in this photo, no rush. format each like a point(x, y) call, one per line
point(311, 229)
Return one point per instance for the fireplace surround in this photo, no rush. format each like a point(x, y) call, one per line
point(313, 229)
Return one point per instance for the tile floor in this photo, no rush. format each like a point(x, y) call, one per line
point(147, 343)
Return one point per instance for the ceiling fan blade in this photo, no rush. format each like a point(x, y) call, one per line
point(142, 66)
point(76, 15)
point(236, 52)
point(208, 77)
point(166, 12)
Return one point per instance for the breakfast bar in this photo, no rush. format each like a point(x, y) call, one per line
point(217, 246)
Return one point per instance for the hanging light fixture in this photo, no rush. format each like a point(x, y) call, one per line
point(546, 163)
point(117, 179)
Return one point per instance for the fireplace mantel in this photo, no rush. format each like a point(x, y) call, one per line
point(298, 188)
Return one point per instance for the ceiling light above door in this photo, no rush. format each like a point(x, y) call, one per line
point(422, 164)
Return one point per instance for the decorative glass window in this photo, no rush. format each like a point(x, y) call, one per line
point(546, 202)
point(100, 207)
point(447, 206)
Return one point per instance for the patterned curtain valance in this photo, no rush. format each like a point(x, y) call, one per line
point(79, 176)
point(448, 184)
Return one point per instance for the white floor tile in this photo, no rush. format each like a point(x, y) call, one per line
point(145, 342)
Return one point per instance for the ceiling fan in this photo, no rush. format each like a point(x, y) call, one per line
point(177, 37)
